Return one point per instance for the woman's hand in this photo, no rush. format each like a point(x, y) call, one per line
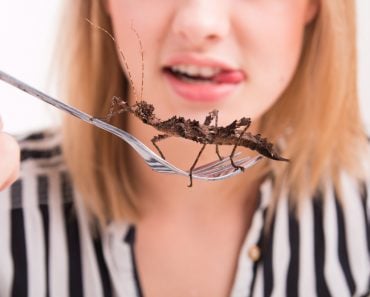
point(9, 159)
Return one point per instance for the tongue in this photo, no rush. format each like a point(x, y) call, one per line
point(229, 77)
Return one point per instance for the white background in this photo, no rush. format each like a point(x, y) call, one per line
point(27, 36)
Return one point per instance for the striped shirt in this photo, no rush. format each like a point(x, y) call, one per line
point(46, 248)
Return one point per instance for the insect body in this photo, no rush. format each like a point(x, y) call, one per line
point(233, 134)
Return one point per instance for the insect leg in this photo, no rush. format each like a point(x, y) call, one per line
point(243, 122)
point(216, 125)
point(195, 163)
point(234, 149)
point(213, 115)
point(218, 153)
point(117, 101)
point(157, 138)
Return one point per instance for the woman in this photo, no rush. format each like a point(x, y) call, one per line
point(297, 229)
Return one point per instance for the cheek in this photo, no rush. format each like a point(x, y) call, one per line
point(273, 48)
point(277, 61)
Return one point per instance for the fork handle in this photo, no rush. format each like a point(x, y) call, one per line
point(60, 105)
point(36, 93)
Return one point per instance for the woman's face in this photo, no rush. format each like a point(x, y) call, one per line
point(236, 56)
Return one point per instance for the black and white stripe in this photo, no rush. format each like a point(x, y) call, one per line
point(47, 247)
point(43, 198)
point(292, 284)
point(18, 245)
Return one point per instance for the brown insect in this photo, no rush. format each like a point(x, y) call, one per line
point(233, 134)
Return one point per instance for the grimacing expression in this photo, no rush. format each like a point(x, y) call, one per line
point(237, 56)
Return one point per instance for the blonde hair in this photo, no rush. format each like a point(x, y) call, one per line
point(321, 97)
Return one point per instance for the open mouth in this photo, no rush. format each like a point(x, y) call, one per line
point(202, 81)
point(204, 74)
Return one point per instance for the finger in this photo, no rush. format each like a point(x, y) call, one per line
point(9, 160)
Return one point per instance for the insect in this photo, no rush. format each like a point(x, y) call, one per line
point(204, 133)
point(233, 134)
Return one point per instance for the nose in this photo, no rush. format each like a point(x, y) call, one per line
point(201, 22)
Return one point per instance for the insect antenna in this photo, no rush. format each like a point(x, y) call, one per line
point(142, 59)
point(123, 57)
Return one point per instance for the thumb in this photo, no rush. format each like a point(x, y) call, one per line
point(9, 159)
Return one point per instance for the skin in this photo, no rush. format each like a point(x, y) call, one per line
point(180, 226)
point(9, 165)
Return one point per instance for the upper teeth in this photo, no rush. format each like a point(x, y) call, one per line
point(193, 70)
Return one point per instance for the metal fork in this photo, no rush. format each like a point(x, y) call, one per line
point(217, 170)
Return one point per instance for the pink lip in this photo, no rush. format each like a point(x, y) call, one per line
point(198, 60)
point(207, 91)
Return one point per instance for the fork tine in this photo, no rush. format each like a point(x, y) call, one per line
point(248, 163)
point(229, 170)
point(214, 166)
point(225, 169)
point(205, 167)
